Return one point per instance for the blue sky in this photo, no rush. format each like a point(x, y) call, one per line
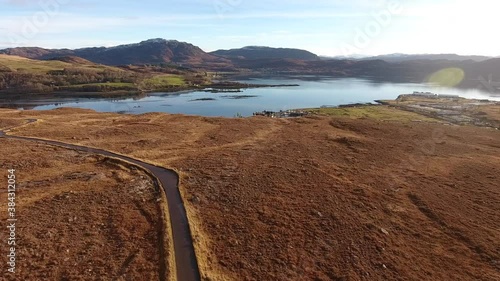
point(331, 27)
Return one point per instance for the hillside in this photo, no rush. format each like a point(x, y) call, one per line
point(256, 52)
point(35, 52)
point(171, 56)
point(76, 75)
point(417, 71)
point(153, 51)
point(27, 65)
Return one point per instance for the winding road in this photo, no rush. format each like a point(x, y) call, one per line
point(186, 264)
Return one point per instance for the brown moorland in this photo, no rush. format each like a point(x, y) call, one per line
point(80, 216)
point(316, 198)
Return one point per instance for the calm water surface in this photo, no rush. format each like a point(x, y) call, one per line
point(316, 93)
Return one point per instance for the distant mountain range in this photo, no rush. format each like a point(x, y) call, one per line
point(266, 60)
point(256, 52)
point(156, 51)
point(405, 57)
point(153, 51)
point(409, 57)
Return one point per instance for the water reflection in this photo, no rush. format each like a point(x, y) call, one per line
point(313, 91)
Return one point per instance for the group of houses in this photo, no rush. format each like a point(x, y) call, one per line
point(434, 96)
point(281, 113)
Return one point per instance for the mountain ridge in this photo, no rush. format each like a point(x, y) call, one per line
point(159, 50)
point(399, 57)
point(264, 52)
point(152, 51)
point(273, 60)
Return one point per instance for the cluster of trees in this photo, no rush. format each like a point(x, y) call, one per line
point(158, 68)
point(16, 82)
point(76, 76)
point(197, 79)
point(93, 80)
point(103, 87)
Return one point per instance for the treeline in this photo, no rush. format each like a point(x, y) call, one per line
point(73, 76)
point(159, 68)
point(13, 82)
point(94, 80)
point(24, 82)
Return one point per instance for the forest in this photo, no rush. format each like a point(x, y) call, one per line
point(102, 79)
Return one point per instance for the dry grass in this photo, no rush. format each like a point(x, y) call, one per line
point(313, 198)
point(76, 210)
point(21, 64)
point(376, 112)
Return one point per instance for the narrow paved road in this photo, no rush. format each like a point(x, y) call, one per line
point(185, 258)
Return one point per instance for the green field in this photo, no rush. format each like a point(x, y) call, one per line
point(378, 112)
point(163, 81)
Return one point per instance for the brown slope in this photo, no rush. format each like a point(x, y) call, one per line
point(318, 198)
point(153, 51)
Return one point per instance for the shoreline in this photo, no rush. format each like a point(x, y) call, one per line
point(63, 99)
point(38, 99)
point(229, 85)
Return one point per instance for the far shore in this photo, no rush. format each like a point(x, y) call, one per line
point(219, 87)
point(31, 100)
